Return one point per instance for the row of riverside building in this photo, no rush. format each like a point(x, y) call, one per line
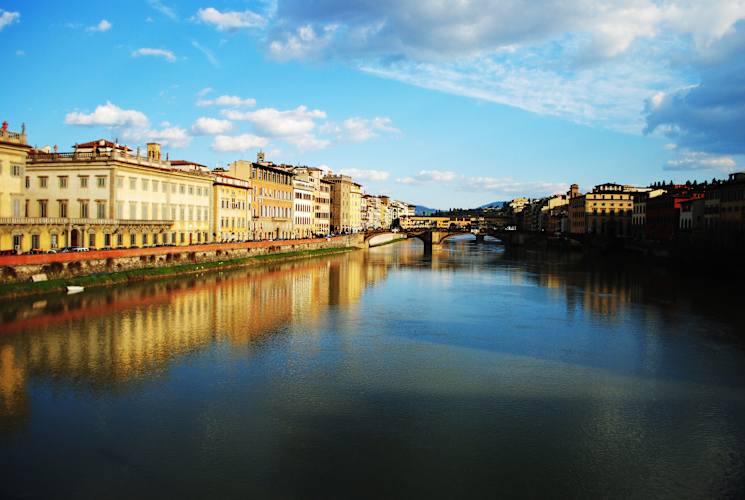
point(710, 214)
point(105, 195)
point(712, 211)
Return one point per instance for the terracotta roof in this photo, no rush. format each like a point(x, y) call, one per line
point(186, 162)
point(106, 144)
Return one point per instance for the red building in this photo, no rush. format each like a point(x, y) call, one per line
point(663, 212)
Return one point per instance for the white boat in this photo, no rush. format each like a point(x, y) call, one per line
point(74, 289)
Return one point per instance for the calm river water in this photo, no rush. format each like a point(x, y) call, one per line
point(383, 373)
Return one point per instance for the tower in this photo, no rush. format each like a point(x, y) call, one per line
point(153, 151)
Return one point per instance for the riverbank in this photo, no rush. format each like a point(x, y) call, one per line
point(101, 279)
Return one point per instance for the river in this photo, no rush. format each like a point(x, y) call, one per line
point(467, 372)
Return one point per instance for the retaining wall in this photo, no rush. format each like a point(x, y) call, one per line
point(20, 268)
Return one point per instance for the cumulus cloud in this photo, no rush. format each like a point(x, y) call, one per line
point(296, 126)
point(302, 43)
point(366, 175)
point(132, 124)
point(102, 26)
point(238, 143)
point(7, 18)
point(164, 9)
point(149, 52)
point(211, 126)
point(230, 20)
point(708, 116)
point(225, 100)
point(697, 160)
point(108, 115)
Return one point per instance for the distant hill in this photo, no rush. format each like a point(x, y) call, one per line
point(493, 204)
point(422, 210)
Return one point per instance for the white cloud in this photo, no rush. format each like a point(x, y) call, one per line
point(102, 26)
point(436, 175)
point(108, 115)
point(163, 9)
point(208, 54)
point(230, 20)
point(358, 129)
point(697, 160)
point(295, 126)
point(211, 126)
point(174, 137)
point(238, 143)
point(512, 187)
point(204, 91)
point(302, 43)
point(7, 18)
point(225, 101)
point(366, 175)
point(148, 52)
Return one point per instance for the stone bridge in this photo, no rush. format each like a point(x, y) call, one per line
point(433, 237)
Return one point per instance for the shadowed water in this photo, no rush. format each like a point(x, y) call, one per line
point(464, 373)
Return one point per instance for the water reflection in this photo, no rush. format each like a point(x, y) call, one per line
point(313, 377)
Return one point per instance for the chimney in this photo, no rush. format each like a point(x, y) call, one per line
point(153, 151)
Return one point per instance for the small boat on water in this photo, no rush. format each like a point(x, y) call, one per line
point(74, 289)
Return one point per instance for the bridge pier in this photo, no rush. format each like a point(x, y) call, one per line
point(480, 237)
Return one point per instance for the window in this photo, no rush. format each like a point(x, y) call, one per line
point(119, 240)
point(107, 240)
point(83, 209)
point(101, 181)
point(16, 170)
point(144, 238)
point(92, 240)
point(43, 182)
point(182, 189)
point(145, 184)
point(101, 209)
point(119, 209)
point(28, 182)
point(84, 181)
point(132, 209)
point(132, 240)
point(53, 240)
point(17, 241)
point(133, 183)
point(16, 207)
point(35, 242)
point(42, 208)
point(63, 182)
point(120, 181)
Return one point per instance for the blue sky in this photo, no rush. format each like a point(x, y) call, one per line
point(447, 103)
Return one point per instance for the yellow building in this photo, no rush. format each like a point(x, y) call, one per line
point(231, 208)
point(346, 201)
point(13, 154)
point(607, 210)
point(424, 222)
point(321, 199)
point(102, 195)
point(271, 197)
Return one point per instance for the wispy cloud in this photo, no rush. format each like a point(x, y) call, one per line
point(207, 53)
point(358, 129)
point(164, 9)
point(507, 186)
point(226, 101)
point(149, 52)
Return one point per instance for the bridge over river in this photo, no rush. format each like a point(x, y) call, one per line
point(434, 237)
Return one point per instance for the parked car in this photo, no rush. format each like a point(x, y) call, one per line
point(80, 249)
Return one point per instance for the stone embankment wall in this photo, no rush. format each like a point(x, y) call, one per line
point(20, 268)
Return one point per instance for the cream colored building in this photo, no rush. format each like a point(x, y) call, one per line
point(303, 219)
point(231, 208)
point(13, 223)
point(342, 220)
point(355, 207)
point(102, 195)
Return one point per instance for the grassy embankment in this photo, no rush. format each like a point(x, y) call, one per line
point(118, 277)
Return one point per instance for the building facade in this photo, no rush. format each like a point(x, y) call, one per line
point(303, 208)
point(13, 223)
point(231, 208)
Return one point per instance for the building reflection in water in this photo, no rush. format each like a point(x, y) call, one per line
point(105, 338)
